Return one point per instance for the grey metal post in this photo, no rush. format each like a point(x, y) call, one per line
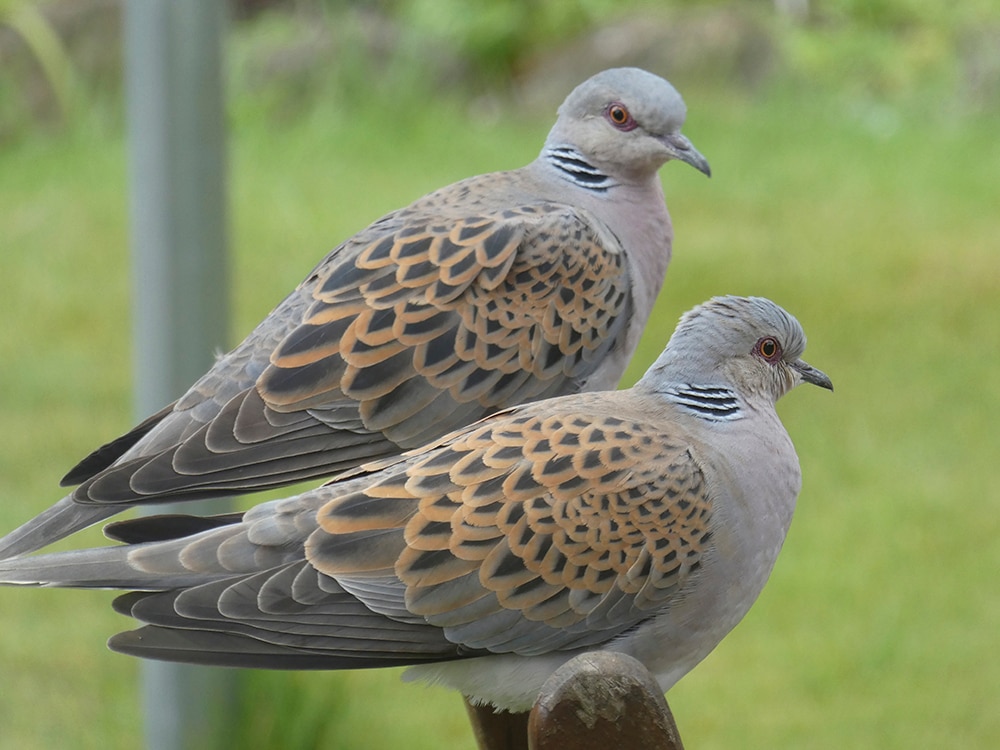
point(174, 94)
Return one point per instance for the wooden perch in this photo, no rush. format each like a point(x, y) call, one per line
point(596, 701)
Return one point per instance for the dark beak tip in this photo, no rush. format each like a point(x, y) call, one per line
point(699, 164)
point(810, 374)
point(823, 382)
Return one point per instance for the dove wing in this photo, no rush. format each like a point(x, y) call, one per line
point(528, 533)
point(415, 327)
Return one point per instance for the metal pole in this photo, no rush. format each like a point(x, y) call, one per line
point(173, 66)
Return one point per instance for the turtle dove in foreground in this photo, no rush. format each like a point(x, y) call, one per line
point(644, 521)
point(497, 290)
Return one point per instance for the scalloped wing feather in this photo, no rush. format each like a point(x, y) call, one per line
point(559, 529)
point(421, 323)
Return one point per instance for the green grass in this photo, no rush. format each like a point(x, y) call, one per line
point(881, 623)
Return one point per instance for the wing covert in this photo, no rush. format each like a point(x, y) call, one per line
point(529, 533)
point(418, 325)
point(459, 318)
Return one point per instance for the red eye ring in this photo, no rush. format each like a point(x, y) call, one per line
point(619, 116)
point(769, 348)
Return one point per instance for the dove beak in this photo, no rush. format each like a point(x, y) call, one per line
point(682, 149)
point(810, 374)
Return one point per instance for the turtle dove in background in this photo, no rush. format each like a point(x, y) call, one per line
point(497, 290)
point(644, 521)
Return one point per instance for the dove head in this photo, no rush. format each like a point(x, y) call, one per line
point(749, 344)
point(627, 122)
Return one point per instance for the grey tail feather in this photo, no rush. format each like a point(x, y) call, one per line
point(221, 649)
point(58, 522)
point(97, 568)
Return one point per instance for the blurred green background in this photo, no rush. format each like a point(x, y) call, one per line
point(855, 149)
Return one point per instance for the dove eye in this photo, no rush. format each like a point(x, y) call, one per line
point(619, 116)
point(769, 348)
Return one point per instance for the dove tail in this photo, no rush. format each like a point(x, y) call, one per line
point(152, 566)
point(104, 567)
point(58, 522)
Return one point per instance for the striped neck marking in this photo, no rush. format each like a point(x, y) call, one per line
point(711, 402)
point(572, 165)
